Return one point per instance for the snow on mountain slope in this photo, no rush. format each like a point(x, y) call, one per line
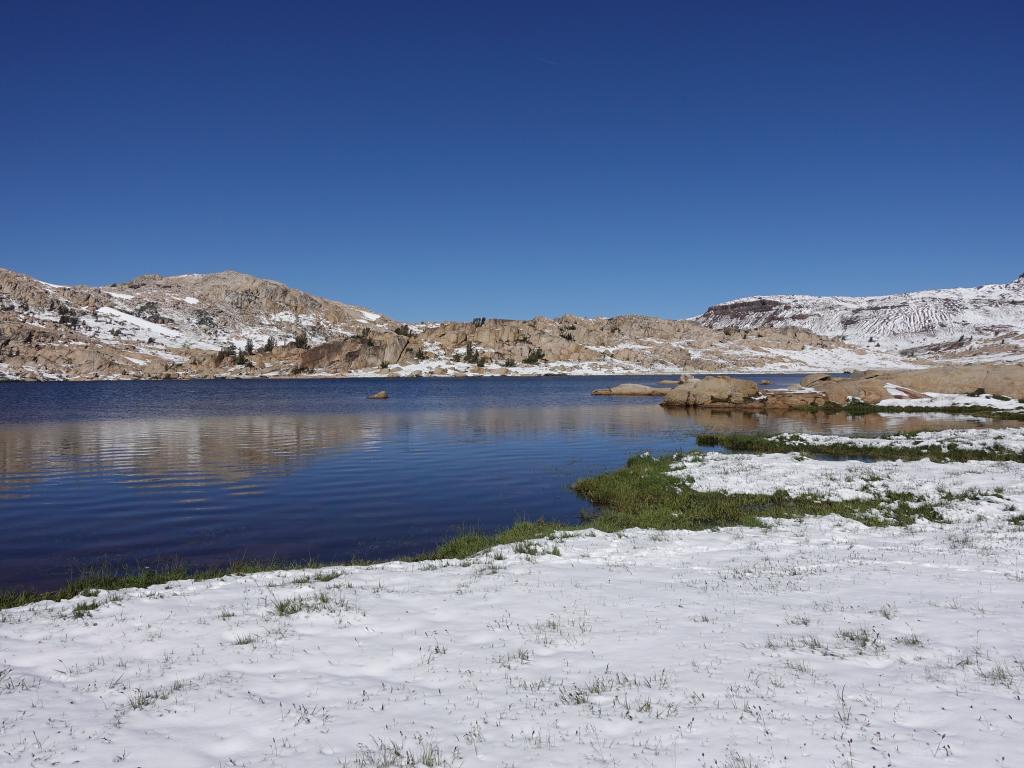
point(232, 324)
point(986, 322)
point(154, 326)
point(190, 311)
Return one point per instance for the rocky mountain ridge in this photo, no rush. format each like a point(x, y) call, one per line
point(229, 324)
point(982, 324)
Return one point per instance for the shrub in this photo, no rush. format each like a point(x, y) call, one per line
point(67, 316)
point(204, 319)
point(149, 311)
point(269, 346)
point(536, 356)
point(228, 352)
point(472, 355)
point(248, 346)
point(404, 330)
point(301, 340)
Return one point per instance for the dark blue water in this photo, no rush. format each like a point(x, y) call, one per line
point(209, 471)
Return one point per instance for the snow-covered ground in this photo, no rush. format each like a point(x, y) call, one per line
point(942, 400)
point(818, 642)
point(996, 481)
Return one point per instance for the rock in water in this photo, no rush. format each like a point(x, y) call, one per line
point(382, 395)
point(712, 390)
point(629, 390)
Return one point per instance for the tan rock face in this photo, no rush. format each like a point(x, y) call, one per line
point(711, 391)
point(370, 350)
point(1004, 380)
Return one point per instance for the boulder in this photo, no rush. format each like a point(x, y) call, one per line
point(712, 391)
point(813, 378)
point(785, 400)
point(632, 390)
point(382, 395)
point(841, 391)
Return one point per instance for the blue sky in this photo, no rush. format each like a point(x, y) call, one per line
point(446, 160)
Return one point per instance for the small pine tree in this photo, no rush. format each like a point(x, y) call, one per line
point(227, 352)
point(301, 340)
point(269, 346)
point(248, 346)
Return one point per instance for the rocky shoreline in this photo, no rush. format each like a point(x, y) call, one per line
point(1001, 383)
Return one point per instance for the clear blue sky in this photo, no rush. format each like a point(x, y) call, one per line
point(444, 160)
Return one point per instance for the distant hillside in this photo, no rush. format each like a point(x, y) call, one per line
point(983, 323)
point(229, 324)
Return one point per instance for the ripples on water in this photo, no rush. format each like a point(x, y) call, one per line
point(213, 470)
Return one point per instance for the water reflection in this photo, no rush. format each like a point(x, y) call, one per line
point(356, 480)
point(230, 449)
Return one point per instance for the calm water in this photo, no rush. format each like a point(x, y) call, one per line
point(212, 470)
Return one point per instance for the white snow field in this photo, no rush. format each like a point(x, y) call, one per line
point(815, 642)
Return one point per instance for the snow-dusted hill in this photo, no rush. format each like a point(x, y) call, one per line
point(231, 324)
point(986, 322)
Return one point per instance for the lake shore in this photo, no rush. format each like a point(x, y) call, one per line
point(804, 642)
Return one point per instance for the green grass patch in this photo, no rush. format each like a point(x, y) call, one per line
point(643, 495)
point(788, 444)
